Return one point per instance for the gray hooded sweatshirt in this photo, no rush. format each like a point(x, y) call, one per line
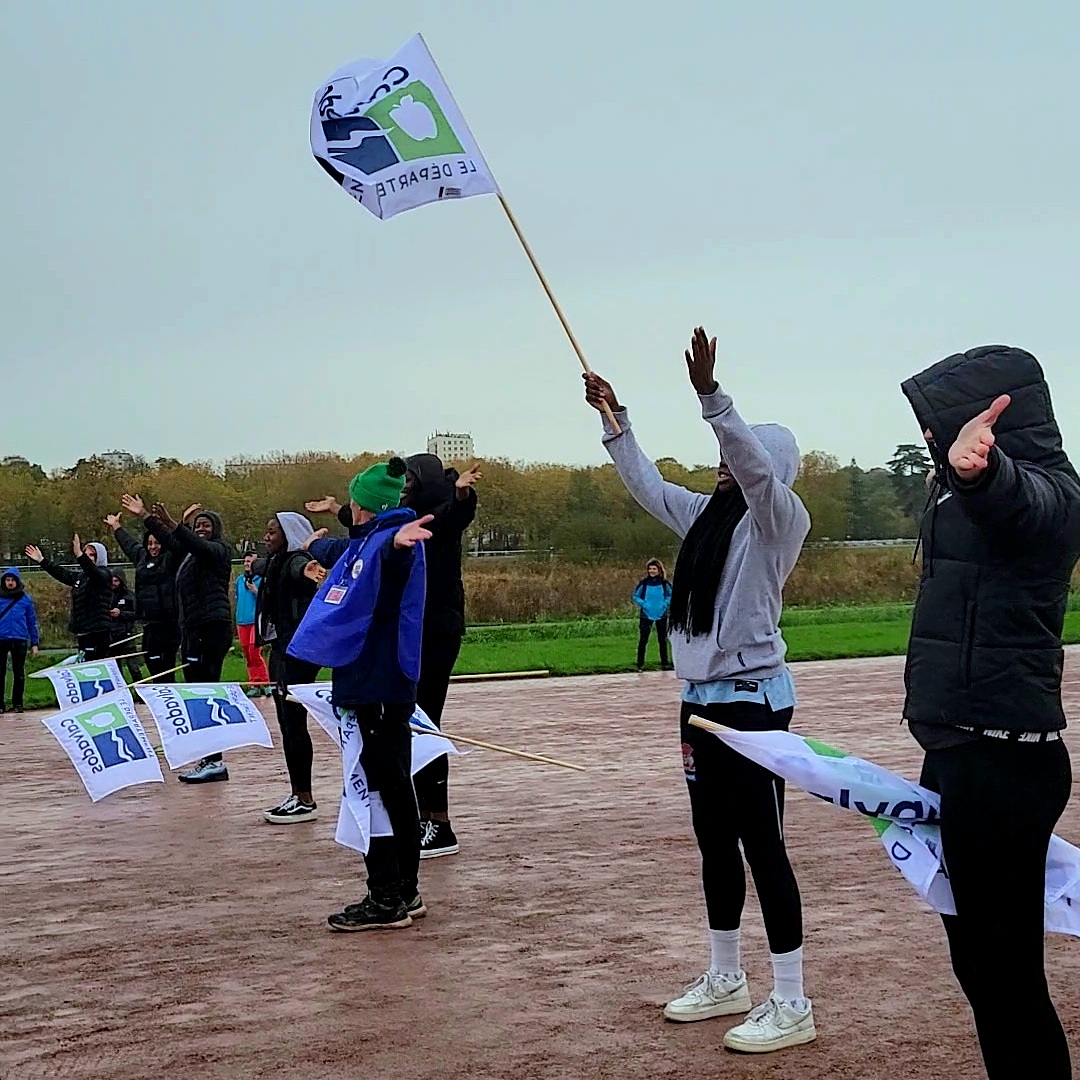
point(745, 639)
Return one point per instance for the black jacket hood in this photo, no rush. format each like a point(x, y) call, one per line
point(947, 395)
point(432, 486)
point(120, 576)
point(214, 519)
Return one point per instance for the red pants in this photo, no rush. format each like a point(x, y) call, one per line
point(256, 665)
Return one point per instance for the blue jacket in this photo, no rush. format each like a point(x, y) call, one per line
point(18, 618)
point(653, 596)
point(366, 620)
point(245, 600)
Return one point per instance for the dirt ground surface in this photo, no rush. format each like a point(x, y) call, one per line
point(169, 931)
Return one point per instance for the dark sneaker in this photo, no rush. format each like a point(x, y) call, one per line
point(292, 809)
point(437, 838)
point(206, 772)
point(416, 907)
point(369, 915)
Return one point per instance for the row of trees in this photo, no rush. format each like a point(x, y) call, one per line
point(579, 512)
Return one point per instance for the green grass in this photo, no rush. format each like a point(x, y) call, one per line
point(601, 646)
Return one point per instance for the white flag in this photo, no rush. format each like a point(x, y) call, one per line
point(392, 135)
point(106, 744)
point(195, 720)
point(74, 658)
point(83, 682)
point(316, 698)
point(905, 816)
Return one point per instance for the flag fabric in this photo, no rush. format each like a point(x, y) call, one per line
point(106, 743)
point(390, 133)
point(905, 815)
point(196, 720)
point(77, 683)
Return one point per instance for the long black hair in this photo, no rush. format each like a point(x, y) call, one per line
point(701, 561)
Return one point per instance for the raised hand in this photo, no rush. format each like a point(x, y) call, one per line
point(599, 392)
point(76, 546)
point(467, 481)
point(133, 504)
point(314, 571)
point(326, 505)
point(113, 521)
point(163, 515)
point(413, 533)
point(34, 554)
point(318, 534)
point(190, 512)
point(701, 361)
point(970, 454)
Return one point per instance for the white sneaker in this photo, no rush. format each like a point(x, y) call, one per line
point(773, 1026)
point(712, 995)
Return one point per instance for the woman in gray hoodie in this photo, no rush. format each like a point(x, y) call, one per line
point(739, 545)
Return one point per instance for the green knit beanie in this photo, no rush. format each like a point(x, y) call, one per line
point(379, 488)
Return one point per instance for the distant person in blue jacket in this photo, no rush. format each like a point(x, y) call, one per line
point(18, 635)
point(653, 598)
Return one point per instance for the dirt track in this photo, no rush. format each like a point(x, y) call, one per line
point(169, 931)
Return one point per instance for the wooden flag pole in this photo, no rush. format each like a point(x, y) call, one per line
point(156, 675)
point(500, 749)
point(554, 303)
point(126, 656)
point(124, 641)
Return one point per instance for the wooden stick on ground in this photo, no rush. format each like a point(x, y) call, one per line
point(500, 675)
point(499, 749)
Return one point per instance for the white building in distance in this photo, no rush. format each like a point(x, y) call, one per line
point(450, 446)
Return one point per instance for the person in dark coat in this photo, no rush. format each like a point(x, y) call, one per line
point(124, 616)
point(1000, 539)
point(91, 594)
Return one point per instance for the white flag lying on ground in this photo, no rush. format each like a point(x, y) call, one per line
point(83, 682)
point(390, 133)
point(195, 720)
point(362, 814)
point(106, 744)
point(904, 814)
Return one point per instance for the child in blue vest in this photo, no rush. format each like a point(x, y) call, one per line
point(365, 624)
point(653, 598)
point(18, 635)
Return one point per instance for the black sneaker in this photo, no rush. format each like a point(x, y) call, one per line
point(416, 907)
point(370, 915)
point(291, 810)
point(437, 838)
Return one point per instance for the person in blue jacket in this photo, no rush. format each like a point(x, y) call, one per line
point(18, 635)
point(653, 598)
point(365, 624)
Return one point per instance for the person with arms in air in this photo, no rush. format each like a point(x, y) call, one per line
point(739, 545)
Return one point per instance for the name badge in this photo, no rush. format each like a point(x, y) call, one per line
point(335, 595)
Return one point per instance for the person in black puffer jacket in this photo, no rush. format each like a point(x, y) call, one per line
point(91, 595)
point(1001, 537)
point(202, 600)
point(155, 598)
point(124, 615)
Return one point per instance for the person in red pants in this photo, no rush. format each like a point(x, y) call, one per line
point(247, 590)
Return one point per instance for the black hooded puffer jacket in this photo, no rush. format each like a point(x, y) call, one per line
point(204, 574)
point(998, 554)
point(155, 580)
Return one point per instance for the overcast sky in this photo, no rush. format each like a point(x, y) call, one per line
point(843, 192)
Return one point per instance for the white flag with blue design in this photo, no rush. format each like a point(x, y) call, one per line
point(390, 133)
point(199, 719)
point(76, 683)
point(905, 816)
point(106, 744)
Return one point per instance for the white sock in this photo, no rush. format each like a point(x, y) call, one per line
point(725, 952)
point(787, 977)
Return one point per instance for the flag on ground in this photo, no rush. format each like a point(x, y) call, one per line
point(390, 133)
point(106, 744)
point(76, 683)
point(195, 720)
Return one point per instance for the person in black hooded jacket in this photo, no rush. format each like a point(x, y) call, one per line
point(1000, 540)
point(450, 497)
point(124, 615)
point(155, 598)
point(202, 600)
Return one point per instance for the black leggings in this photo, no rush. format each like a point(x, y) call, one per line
point(732, 799)
point(438, 656)
point(644, 628)
point(393, 862)
point(999, 804)
point(292, 717)
point(161, 643)
point(203, 653)
point(17, 650)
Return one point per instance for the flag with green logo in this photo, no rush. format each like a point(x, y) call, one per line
point(906, 817)
point(106, 743)
point(390, 133)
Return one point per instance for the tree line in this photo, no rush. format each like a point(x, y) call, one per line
point(581, 513)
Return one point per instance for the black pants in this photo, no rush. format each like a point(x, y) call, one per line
point(292, 717)
point(393, 862)
point(999, 804)
point(132, 663)
point(161, 643)
point(644, 628)
point(17, 650)
point(438, 655)
point(733, 799)
point(95, 646)
point(203, 650)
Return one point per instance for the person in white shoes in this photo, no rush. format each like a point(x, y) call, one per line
point(739, 545)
